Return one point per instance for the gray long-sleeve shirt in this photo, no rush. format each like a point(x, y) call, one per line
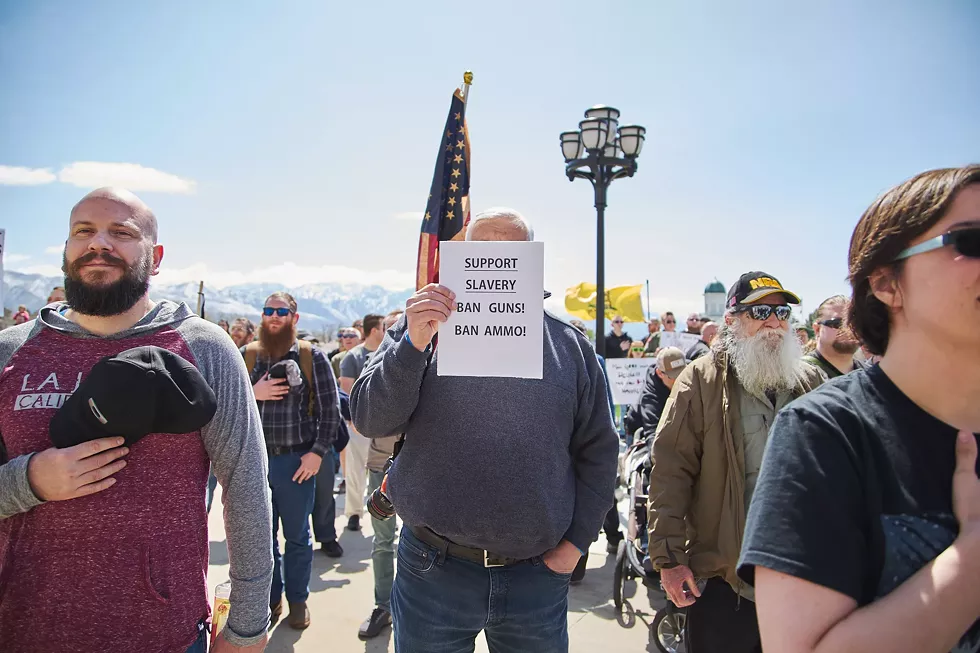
point(38, 382)
point(509, 465)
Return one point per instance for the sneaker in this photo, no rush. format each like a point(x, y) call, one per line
point(354, 523)
point(276, 610)
point(341, 488)
point(299, 615)
point(373, 625)
point(332, 549)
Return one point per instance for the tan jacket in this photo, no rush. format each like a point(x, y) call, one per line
point(697, 483)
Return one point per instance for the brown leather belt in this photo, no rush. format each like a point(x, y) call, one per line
point(479, 556)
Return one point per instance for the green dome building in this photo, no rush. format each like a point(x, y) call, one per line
point(714, 300)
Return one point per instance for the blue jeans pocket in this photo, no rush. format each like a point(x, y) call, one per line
point(415, 555)
point(539, 562)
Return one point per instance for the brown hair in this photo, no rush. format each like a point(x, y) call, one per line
point(245, 324)
point(836, 300)
point(888, 226)
point(283, 296)
point(372, 322)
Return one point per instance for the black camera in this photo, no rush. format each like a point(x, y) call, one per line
point(378, 504)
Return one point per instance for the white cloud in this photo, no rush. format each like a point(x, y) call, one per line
point(94, 174)
point(17, 176)
point(288, 274)
point(415, 216)
point(55, 249)
point(15, 258)
point(43, 270)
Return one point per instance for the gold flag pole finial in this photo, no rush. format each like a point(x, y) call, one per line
point(467, 80)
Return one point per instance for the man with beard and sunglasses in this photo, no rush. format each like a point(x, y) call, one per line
point(300, 418)
point(105, 547)
point(835, 344)
point(706, 456)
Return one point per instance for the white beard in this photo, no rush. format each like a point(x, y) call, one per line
point(769, 360)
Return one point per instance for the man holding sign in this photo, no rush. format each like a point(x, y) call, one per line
point(502, 482)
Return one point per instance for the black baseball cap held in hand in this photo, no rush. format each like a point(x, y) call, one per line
point(134, 393)
point(753, 286)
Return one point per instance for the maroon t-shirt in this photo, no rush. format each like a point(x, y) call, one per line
point(135, 552)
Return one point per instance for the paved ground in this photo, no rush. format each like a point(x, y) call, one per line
point(342, 596)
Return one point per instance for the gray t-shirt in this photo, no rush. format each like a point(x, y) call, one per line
point(354, 362)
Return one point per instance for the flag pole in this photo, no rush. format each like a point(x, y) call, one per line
point(200, 294)
point(465, 92)
point(467, 82)
point(648, 300)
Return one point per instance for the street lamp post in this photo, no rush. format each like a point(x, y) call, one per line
point(601, 151)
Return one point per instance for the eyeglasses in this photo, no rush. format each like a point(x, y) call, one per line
point(762, 312)
point(269, 311)
point(349, 335)
point(669, 322)
point(833, 323)
point(965, 241)
point(617, 321)
point(636, 350)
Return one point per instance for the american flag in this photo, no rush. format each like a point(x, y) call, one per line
point(448, 210)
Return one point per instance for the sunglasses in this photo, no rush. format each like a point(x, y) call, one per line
point(637, 350)
point(268, 311)
point(349, 335)
point(833, 323)
point(669, 322)
point(762, 312)
point(617, 321)
point(965, 241)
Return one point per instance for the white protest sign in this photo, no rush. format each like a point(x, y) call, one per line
point(682, 340)
point(497, 327)
point(626, 378)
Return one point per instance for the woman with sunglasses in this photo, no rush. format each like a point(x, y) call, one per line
point(864, 530)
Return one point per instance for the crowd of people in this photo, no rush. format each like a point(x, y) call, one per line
point(805, 497)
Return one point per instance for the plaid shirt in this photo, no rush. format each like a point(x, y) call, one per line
point(287, 422)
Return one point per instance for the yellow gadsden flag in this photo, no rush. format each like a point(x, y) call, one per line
point(621, 300)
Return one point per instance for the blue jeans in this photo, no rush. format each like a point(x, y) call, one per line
point(325, 504)
point(382, 550)
point(292, 504)
point(440, 604)
point(200, 644)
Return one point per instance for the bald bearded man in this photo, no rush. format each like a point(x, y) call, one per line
point(105, 547)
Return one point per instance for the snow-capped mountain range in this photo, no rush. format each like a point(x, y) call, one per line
point(321, 305)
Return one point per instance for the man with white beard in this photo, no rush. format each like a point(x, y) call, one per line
point(706, 458)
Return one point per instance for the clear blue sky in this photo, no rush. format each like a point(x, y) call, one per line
point(308, 128)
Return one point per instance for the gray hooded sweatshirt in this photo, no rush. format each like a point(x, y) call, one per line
point(129, 564)
point(508, 465)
